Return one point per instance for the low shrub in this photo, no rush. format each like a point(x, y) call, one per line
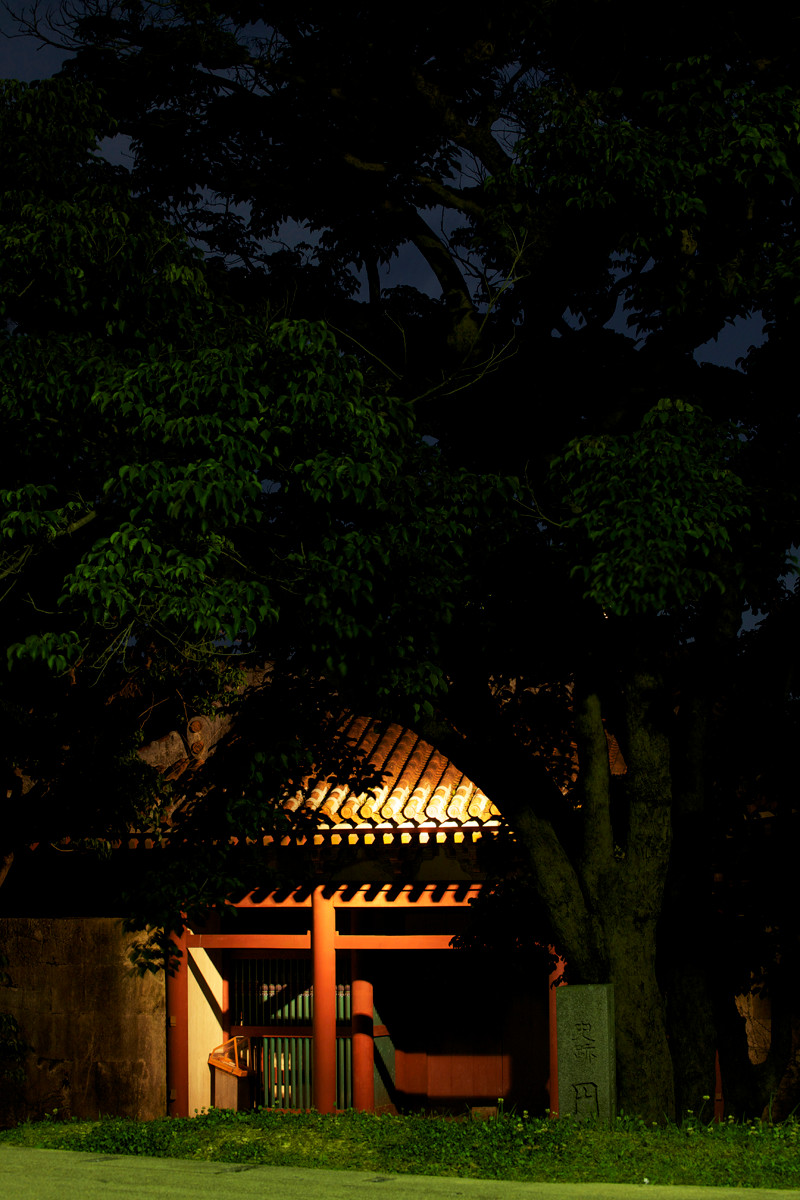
point(509, 1146)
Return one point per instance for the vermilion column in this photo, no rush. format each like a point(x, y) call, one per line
point(227, 1019)
point(362, 1033)
point(178, 1034)
point(323, 954)
point(552, 985)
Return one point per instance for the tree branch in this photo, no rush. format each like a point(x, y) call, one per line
point(528, 798)
point(465, 324)
point(648, 786)
point(19, 560)
point(451, 197)
point(597, 853)
point(478, 139)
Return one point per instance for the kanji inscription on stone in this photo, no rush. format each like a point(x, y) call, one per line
point(587, 1075)
point(584, 1047)
point(586, 1099)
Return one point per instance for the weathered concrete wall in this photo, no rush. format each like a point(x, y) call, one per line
point(97, 1031)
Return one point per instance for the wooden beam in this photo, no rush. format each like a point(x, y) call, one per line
point(177, 999)
point(388, 941)
point(429, 895)
point(303, 941)
point(270, 901)
point(250, 941)
point(323, 954)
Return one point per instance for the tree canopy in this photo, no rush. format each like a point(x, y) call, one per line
point(596, 203)
point(191, 483)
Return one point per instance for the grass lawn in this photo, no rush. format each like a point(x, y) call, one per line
point(508, 1147)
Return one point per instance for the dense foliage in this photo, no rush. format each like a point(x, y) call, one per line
point(194, 489)
point(595, 205)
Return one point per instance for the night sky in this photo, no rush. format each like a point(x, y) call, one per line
point(22, 58)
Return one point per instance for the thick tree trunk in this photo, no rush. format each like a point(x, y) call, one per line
point(621, 873)
point(645, 1083)
point(631, 899)
point(603, 894)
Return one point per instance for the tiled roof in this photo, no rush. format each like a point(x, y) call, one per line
point(406, 784)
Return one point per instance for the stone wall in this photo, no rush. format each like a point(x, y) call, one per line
point(96, 1030)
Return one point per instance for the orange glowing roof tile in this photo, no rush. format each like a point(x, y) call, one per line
point(395, 803)
point(404, 766)
point(374, 749)
point(435, 768)
point(458, 808)
point(368, 811)
point(475, 806)
point(482, 809)
point(348, 810)
point(333, 800)
point(437, 805)
point(396, 779)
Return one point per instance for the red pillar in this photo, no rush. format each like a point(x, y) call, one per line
point(323, 954)
point(552, 984)
point(178, 1033)
point(227, 1019)
point(363, 1046)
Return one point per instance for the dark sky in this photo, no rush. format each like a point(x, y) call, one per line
point(22, 58)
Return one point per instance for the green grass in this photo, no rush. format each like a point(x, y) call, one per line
point(751, 1154)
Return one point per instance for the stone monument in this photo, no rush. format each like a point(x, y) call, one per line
point(587, 1072)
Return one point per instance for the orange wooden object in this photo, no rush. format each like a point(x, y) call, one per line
point(323, 954)
point(301, 941)
point(451, 895)
point(178, 1034)
point(394, 941)
point(361, 1001)
point(411, 1072)
point(250, 941)
point(552, 984)
point(231, 1057)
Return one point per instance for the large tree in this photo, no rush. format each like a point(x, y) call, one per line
point(566, 177)
point(191, 485)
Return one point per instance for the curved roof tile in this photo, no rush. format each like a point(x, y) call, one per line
point(399, 779)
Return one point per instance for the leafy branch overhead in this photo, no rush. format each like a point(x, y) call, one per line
point(192, 475)
point(653, 510)
point(690, 183)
